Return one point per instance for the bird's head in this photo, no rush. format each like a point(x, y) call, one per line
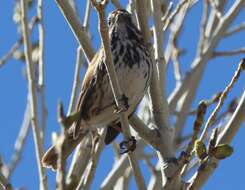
point(119, 17)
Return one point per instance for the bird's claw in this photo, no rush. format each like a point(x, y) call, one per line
point(123, 104)
point(128, 145)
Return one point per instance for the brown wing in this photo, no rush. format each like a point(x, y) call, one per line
point(93, 78)
point(85, 97)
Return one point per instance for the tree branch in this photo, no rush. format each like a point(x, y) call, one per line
point(77, 28)
point(229, 53)
point(224, 94)
point(231, 128)
point(32, 95)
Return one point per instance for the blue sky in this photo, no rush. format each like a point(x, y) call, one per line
point(60, 56)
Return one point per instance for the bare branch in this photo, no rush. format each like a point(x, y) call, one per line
point(17, 44)
point(41, 70)
point(11, 52)
point(159, 55)
point(33, 95)
point(203, 37)
point(41, 42)
point(213, 20)
point(77, 28)
point(79, 163)
point(216, 8)
point(76, 81)
point(19, 144)
point(120, 165)
point(61, 161)
point(173, 14)
point(185, 157)
point(143, 130)
point(167, 13)
point(87, 15)
point(115, 173)
point(98, 148)
point(235, 30)
point(229, 53)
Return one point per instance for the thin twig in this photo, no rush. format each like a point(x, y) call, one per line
point(17, 44)
point(143, 130)
point(41, 46)
point(216, 8)
point(115, 173)
point(79, 163)
point(224, 94)
point(203, 37)
point(229, 53)
point(167, 13)
point(87, 15)
point(235, 30)
point(121, 165)
point(208, 102)
point(174, 37)
point(201, 111)
point(82, 154)
point(33, 95)
point(230, 110)
point(173, 14)
point(77, 28)
point(213, 20)
point(76, 81)
point(41, 70)
point(155, 181)
point(20, 142)
point(98, 148)
point(159, 55)
point(126, 179)
point(11, 52)
point(61, 162)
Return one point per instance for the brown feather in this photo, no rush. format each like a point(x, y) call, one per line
point(87, 88)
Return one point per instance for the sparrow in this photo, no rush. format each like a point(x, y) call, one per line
point(96, 105)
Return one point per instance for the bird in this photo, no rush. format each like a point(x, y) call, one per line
point(96, 105)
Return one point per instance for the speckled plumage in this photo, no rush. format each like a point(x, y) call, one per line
point(133, 67)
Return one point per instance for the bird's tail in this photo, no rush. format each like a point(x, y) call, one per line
point(49, 160)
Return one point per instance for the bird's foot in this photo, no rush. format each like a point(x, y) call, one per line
point(128, 145)
point(123, 104)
